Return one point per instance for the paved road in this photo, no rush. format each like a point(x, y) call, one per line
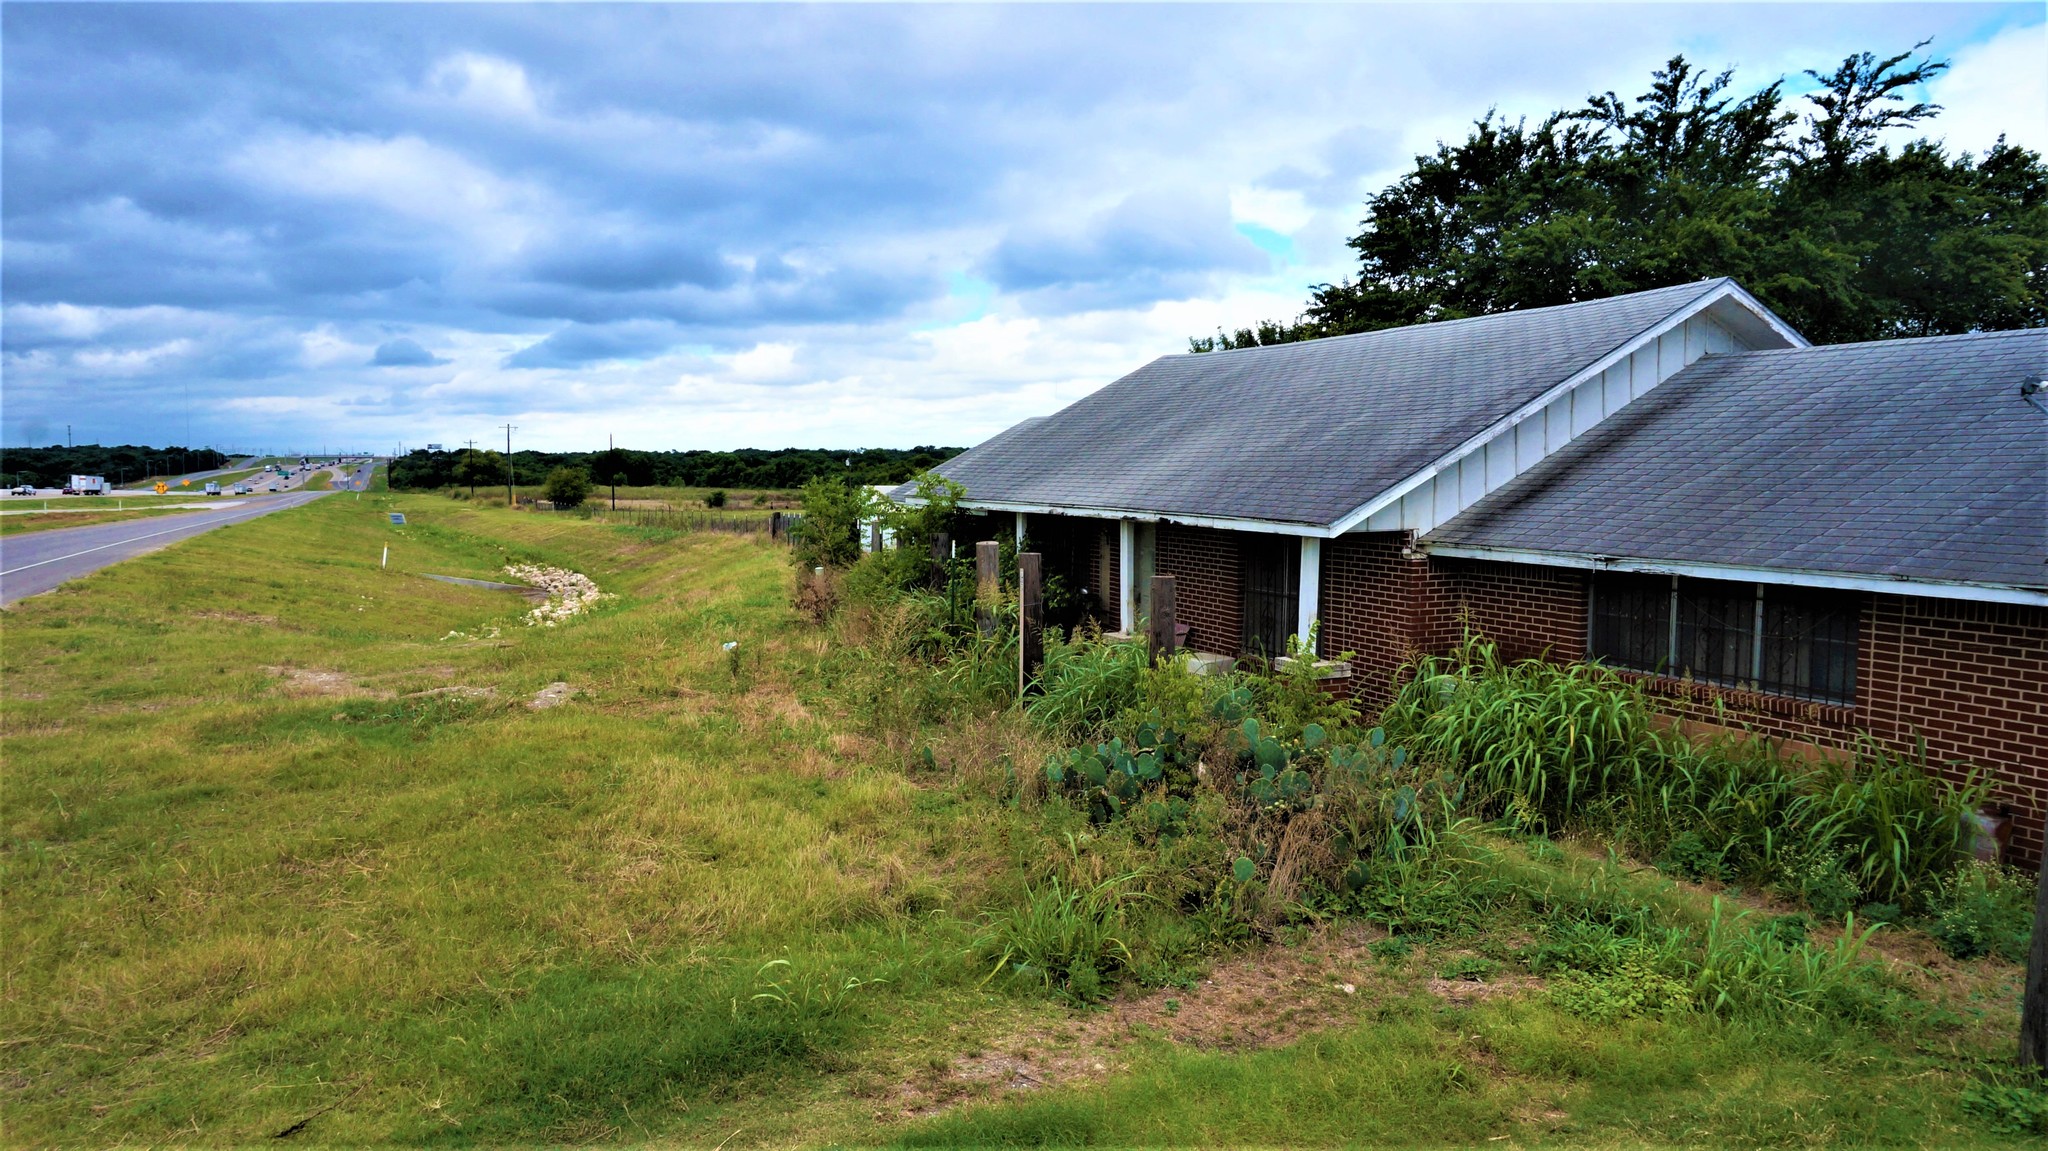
point(35, 562)
point(234, 466)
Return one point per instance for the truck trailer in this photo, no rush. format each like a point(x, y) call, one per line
point(86, 486)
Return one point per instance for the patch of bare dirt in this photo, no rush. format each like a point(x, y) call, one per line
point(1266, 999)
point(553, 695)
point(458, 690)
point(1465, 992)
point(237, 617)
point(307, 681)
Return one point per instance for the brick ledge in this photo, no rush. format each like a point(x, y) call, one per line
point(1738, 700)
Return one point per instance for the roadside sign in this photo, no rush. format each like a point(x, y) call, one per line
point(398, 517)
point(184, 483)
point(162, 487)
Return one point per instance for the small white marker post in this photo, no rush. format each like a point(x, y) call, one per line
point(386, 561)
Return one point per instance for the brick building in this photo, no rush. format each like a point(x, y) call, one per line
point(1809, 542)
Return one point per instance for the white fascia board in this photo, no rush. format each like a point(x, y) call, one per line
point(1728, 290)
point(1268, 527)
point(1883, 585)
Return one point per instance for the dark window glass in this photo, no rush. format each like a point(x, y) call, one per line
point(1270, 576)
point(1632, 620)
point(1716, 631)
point(1810, 644)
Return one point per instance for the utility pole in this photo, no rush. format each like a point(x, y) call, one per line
point(611, 445)
point(471, 467)
point(511, 501)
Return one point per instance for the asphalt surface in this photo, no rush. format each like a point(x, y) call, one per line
point(35, 562)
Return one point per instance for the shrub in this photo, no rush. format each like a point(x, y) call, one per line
point(828, 535)
point(715, 500)
point(1823, 880)
point(567, 487)
point(1980, 909)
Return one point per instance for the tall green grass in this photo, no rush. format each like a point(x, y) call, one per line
point(1557, 746)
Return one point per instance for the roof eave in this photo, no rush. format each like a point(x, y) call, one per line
point(1792, 577)
point(1226, 523)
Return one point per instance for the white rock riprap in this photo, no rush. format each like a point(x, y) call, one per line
point(569, 593)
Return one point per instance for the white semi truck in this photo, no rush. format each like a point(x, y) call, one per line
point(86, 486)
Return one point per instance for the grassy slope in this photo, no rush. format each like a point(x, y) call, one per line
point(235, 901)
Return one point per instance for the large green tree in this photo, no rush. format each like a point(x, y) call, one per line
point(1844, 237)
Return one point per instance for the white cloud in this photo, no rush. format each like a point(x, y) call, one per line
point(1285, 212)
point(1998, 86)
point(406, 176)
point(488, 84)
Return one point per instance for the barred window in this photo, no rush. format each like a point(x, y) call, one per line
point(1799, 642)
point(1270, 580)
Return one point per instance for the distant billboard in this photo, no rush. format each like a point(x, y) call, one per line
point(433, 447)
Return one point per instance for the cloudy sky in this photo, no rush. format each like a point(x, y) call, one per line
point(697, 226)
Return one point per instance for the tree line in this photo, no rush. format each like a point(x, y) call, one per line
point(744, 468)
point(50, 467)
point(1836, 232)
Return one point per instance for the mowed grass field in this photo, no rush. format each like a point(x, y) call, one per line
point(288, 855)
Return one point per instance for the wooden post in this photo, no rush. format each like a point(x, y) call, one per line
point(988, 587)
point(1159, 634)
point(1030, 618)
point(2034, 1000)
point(942, 550)
point(775, 525)
point(875, 536)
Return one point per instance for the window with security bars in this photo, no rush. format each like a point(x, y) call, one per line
point(1797, 642)
point(1270, 582)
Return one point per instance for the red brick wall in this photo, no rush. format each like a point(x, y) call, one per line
point(1204, 565)
point(1372, 604)
point(1970, 678)
point(1526, 611)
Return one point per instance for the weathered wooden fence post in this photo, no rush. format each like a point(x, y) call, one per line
point(2034, 1000)
point(988, 586)
point(942, 550)
point(875, 536)
point(775, 526)
point(1030, 618)
point(1159, 635)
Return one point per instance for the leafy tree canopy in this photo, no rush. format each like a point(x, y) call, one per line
point(1843, 237)
point(744, 468)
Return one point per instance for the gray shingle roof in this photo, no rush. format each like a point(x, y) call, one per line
point(1300, 433)
point(1911, 459)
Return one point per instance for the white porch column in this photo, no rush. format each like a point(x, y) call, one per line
point(1127, 591)
point(1020, 529)
point(1308, 600)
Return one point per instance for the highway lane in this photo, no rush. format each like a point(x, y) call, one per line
point(35, 562)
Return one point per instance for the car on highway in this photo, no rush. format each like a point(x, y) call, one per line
point(23, 490)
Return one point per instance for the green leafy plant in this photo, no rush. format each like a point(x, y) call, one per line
point(1068, 939)
point(2009, 1108)
point(1980, 909)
